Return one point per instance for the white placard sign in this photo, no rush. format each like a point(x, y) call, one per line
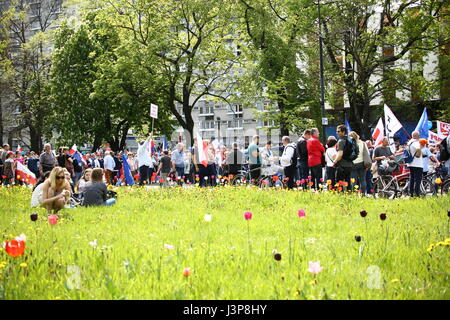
point(154, 111)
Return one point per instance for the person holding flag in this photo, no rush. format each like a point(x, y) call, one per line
point(126, 177)
point(144, 162)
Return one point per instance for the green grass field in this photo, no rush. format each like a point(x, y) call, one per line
point(229, 257)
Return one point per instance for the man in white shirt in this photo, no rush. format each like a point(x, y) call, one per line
point(144, 161)
point(416, 166)
point(288, 162)
point(109, 165)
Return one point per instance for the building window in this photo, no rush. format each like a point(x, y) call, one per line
point(235, 109)
point(208, 125)
point(207, 110)
point(236, 123)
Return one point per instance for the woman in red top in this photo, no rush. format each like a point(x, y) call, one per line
point(315, 153)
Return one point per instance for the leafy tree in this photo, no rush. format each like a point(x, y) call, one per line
point(97, 90)
point(27, 76)
point(364, 39)
point(189, 45)
point(274, 29)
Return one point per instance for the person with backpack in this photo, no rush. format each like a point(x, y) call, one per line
point(347, 152)
point(362, 162)
point(444, 152)
point(289, 161)
point(302, 151)
point(315, 153)
point(415, 164)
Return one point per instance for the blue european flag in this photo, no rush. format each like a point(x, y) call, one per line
point(347, 124)
point(127, 171)
point(422, 126)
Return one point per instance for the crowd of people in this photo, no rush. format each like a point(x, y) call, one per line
point(345, 158)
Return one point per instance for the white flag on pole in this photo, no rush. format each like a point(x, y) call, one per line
point(392, 126)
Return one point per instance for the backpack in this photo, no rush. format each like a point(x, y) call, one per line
point(295, 155)
point(407, 156)
point(351, 149)
point(445, 153)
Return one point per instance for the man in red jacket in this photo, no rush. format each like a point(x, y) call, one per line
point(315, 152)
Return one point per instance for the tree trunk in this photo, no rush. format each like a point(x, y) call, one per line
point(284, 131)
point(35, 138)
point(97, 142)
point(1, 122)
point(123, 138)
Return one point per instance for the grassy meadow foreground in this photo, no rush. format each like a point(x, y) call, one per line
point(140, 248)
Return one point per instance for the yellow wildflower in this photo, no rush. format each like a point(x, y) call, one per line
point(395, 280)
point(23, 265)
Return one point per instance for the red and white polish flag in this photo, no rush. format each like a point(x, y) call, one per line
point(24, 174)
point(378, 133)
point(202, 151)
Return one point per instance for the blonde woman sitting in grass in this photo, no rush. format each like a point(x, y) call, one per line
point(55, 191)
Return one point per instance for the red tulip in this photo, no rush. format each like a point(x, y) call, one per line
point(15, 248)
point(275, 178)
point(187, 272)
point(248, 215)
point(53, 219)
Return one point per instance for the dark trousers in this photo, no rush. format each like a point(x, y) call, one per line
point(209, 172)
point(303, 169)
point(46, 168)
point(316, 175)
point(359, 173)
point(180, 174)
point(330, 174)
point(369, 181)
point(143, 175)
point(289, 172)
point(255, 171)
point(415, 180)
point(344, 174)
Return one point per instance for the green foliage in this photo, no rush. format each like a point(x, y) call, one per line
point(97, 86)
point(229, 257)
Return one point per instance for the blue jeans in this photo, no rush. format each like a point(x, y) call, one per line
point(180, 171)
point(303, 169)
point(110, 202)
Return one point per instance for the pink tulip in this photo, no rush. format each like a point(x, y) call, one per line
point(187, 272)
point(53, 219)
point(301, 213)
point(314, 267)
point(248, 215)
